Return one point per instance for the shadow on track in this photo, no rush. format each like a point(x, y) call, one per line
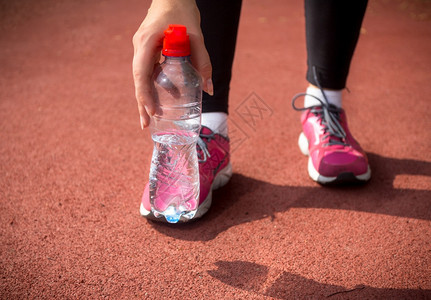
point(253, 277)
point(246, 199)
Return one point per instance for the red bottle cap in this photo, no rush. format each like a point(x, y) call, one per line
point(176, 41)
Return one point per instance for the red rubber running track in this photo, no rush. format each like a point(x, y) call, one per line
point(73, 164)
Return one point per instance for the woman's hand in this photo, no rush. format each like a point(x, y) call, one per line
point(148, 42)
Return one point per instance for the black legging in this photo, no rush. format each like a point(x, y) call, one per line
point(332, 31)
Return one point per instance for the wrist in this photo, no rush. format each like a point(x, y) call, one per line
point(174, 3)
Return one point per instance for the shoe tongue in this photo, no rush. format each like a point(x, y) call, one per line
point(205, 130)
point(332, 141)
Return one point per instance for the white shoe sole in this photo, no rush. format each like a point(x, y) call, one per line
point(312, 172)
point(221, 179)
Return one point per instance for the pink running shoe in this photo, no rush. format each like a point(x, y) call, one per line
point(334, 155)
point(215, 171)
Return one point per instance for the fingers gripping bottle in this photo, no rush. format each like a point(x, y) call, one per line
point(177, 91)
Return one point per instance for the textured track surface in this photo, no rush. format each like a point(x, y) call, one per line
point(73, 164)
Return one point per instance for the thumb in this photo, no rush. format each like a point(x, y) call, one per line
point(201, 61)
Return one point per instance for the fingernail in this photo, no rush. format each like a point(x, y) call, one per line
point(142, 122)
point(149, 112)
point(210, 88)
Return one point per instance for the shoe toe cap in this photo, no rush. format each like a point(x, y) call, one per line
point(338, 162)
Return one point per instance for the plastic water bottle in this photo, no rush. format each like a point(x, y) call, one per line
point(174, 174)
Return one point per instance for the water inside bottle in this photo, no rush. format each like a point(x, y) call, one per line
point(174, 177)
